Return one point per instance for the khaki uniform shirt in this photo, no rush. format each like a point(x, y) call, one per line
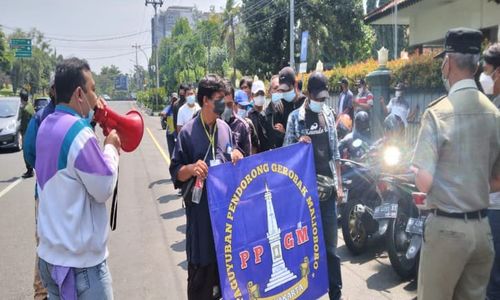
point(459, 144)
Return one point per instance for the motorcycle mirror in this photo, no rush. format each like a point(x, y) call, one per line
point(357, 143)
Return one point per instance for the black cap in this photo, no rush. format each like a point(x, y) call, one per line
point(317, 86)
point(361, 82)
point(462, 40)
point(400, 86)
point(492, 55)
point(287, 78)
point(344, 81)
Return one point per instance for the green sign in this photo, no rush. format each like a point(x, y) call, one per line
point(22, 47)
point(14, 43)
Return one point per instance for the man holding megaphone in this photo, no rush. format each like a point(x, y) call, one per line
point(74, 180)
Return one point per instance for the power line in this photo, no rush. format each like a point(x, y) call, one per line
point(271, 17)
point(257, 10)
point(100, 39)
point(113, 56)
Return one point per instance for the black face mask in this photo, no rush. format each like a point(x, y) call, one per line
point(219, 106)
point(183, 98)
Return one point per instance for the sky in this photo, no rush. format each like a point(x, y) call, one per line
point(61, 20)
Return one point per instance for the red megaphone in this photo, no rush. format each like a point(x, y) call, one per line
point(129, 127)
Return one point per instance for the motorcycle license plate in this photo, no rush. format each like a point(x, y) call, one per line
point(386, 211)
point(415, 226)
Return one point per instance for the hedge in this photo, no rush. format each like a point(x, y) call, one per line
point(417, 72)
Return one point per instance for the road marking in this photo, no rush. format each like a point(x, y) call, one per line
point(10, 187)
point(162, 152)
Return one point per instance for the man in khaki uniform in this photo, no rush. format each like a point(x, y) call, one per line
point(456, 159)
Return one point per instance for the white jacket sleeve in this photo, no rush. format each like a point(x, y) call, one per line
point(98, 170)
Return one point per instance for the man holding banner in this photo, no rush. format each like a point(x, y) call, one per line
point(314, 122)
point(204, 141)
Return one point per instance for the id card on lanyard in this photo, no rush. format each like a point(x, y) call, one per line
point(211, 140)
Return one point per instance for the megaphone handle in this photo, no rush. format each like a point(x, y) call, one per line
point(114, 207)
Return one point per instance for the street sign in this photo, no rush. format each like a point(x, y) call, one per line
point(21, 47)
point(303, 46)
point(20, 42)
point(121, 83)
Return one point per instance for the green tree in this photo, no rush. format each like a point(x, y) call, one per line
point(337, 34)
point(105, 80)
point(228, 34)
point(33, 73)
point(182, 56)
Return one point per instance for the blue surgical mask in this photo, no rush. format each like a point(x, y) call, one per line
point(191, 99)
point(289, 96)
point(316, 106)
point(276, 97)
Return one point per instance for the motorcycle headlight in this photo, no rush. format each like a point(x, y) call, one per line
point(392, 156)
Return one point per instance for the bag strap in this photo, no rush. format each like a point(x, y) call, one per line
point(114, 206)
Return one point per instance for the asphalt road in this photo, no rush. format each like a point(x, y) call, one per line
point(147, 250)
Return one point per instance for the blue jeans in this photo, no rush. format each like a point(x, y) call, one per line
point(91, 283)
point(329, 221)
point(493, 291)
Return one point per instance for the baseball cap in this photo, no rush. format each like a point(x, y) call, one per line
point(317, 86)
point(462, 40)
point(174, 95)
point(258, 86)
point(286, 78)
point(241, 98)
point(344, 81)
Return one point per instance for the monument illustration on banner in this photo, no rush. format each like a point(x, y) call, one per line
point(280, 274)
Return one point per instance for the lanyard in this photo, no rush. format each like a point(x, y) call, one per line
point(211, 138)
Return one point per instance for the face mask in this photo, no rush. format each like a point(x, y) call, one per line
point(183, 98)
point(191, 99)
point(259, 100)
point(487, 83)
point(360, 90)
point(227, 114)
point(316, 106)
point(276, 97)
point(242, 113)
point(289, 96)
point(445, 80)
point(399, 94)
point(219, 106)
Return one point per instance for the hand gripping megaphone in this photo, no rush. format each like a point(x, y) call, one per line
point(130, 127)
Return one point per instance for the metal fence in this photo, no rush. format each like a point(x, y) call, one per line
point(418, 99)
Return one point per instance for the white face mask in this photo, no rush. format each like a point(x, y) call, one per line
point(191, 99)
point(487, 83)
point(259, 100)
point(399, 94)
point(242, 113)
point(360, 90)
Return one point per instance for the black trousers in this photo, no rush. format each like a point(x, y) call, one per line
point(201, 281)
point(170, 144)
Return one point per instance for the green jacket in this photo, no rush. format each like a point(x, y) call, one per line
point(25, 115)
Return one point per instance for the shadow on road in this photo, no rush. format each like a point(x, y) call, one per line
point(179, 246)
point(374, 250)
point(161, 181)
point(173, 214)
point(181, 228)
point(167, 198)
point(9, 180)
point(6, 150)
point(385, 279)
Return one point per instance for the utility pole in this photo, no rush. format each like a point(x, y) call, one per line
point(137, 79)
point(396, 30)
point(292, 34)
point(155, 4)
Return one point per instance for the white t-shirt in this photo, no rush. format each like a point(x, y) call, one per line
point(186, 113)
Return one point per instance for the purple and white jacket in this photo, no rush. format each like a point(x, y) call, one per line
point(74, 180)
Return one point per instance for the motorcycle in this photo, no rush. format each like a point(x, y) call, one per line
point(363, 196)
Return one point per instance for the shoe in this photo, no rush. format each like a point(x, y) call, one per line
point(179, 193)
point(28, 174)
